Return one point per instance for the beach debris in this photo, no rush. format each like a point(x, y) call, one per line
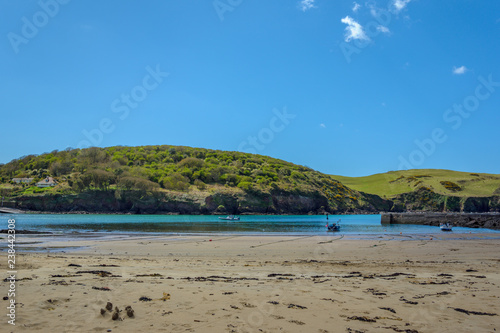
point(296, 306)
point(354, 331)
point(115, 316)
point(152, 275)
point(363, 318)
point(102, 288)
point(63, 276)
point(298, 322)
point(471, 270)
point(407, 301)
point(106, 265)
point(100, 273)
point(273, 302)
point(247, 305)
point(74, 265)
point(445, 275)
point(388, 309)
point(234, 307)
point(130, 311)
point(278, 275)
point(16, 280)
point(396, 329)
point(165, 297)
point(330, 299)
point(216, 278)
point(477, 313)
point(103, 312)
point(375, 292)
point(353, 274)
point(436, 294)
point(395, 274)
point(109, 306)
point(145, 299)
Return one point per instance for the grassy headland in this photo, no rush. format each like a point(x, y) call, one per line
point(445, 182)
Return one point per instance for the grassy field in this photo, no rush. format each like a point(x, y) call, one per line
point(445, 182)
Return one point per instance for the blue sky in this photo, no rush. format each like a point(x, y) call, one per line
point(349, 88)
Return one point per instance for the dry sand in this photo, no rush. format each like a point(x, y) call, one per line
point(261, 284)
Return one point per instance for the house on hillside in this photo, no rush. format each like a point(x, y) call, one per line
point(22, 180)
point(47, 182)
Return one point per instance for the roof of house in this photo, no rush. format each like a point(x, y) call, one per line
point(48, 180)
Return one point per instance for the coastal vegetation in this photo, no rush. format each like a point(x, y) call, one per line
point(178, 179)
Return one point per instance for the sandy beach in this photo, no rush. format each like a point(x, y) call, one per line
point(224, 283)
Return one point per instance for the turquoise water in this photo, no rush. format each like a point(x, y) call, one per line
point(199, 224)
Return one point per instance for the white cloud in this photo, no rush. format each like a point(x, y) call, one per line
point(459, 70)
point(322, 125)
point(400, 4)
point(354, 30)
point(356, 7)
point(306, 5)
point(383, 29)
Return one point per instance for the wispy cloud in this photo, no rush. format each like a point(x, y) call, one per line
point(400, 4)
point(322, 125)
point(305, 5)
point(460, 70)
point(354, 30)
point(356, 6)
point(383, 29)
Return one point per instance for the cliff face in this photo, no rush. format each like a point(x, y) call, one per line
point(254, 202)
point(332, 198)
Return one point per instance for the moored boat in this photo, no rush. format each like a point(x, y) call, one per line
point(335, 226)
point(230, 218)
point(446, 226)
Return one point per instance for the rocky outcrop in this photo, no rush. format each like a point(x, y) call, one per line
point(469, 220)
point(425, 199)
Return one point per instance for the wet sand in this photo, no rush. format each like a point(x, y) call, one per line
point(385, 283)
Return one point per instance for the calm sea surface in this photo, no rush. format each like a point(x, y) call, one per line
point(199, 224)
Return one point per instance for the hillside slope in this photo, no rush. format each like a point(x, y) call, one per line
point(175, 179)
point(444, 182)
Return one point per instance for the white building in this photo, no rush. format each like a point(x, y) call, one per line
point(22, 180)
point(47, 182)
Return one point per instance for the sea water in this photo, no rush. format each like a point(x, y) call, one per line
point(210, 224)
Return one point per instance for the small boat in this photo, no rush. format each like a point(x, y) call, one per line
point(446, 226)
point(335, 226)
point(230, 218)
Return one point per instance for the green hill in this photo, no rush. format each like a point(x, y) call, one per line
point(445, 182)
point(175, 179)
